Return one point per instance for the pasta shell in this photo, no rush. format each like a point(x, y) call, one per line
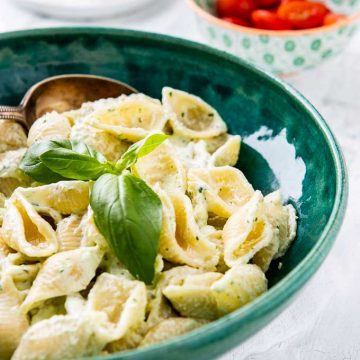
point(246, 232)
point(22, 273)
point(181, 240)
point(130, 341)
point(5, 250)
point(59, 338)
point(226, 190)
point(190, 116)
point(194, 297)
point(264, 257)
point(91, 236)
point(50, 126)
point(282, 218)
point(25, 230)
point(12, 323)
point(162, 167)
point(10, 175)
point(158, 306)
point(65, 197)
point(122, 301)
point(12, 136)
point(69, 233)
point(132, 118)
point(110, 145)
point(63, 274)
point(170, 328)
point(191, 154)
point(228, 153)
point(46, 311)
point(239, 286)
point(75, 304)
point(214, 143)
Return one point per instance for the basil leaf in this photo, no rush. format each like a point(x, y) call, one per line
point(128, 213)
point(76, 161)
point(35, 168)
point(140, 149)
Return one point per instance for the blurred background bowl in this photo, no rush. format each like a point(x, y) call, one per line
point(82, 9)
point(282, 52)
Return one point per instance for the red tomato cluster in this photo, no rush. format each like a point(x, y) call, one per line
point(276, 14)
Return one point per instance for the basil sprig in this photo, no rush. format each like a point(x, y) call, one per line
point(127, 212)
point(50, 161)
point(140, 149)
point(135, 211)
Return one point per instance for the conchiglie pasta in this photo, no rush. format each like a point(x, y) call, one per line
point(132, 118)
point(13, 324)
point(170, 328)
point(181, 240)
point(17, 267)
point(65, 197)
point(191, 154)
point(246, 232)
point(10, 175)
point(190, 116)
point(122, 301)
point(62, 337)
point(108, 144)
point(50, 126)
point(228, 153)
point(130, 341)
point(63, 274)
point(69, 233)
point(12, 136)
point(239, 286)
point(25, 230)
point(193, 297)
point(162, 167)
point(226, 189)
point(65, 294)
point(264, 256)
point(5, 250)
point(211, 295)
point(283, 218)
point(90, 233)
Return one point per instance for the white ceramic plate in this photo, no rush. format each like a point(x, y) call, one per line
point(82, 9)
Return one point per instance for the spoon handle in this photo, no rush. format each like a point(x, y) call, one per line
point(14, 113)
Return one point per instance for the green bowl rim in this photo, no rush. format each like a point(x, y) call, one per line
point(296, 279)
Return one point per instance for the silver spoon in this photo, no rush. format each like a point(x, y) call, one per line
point(62, 93)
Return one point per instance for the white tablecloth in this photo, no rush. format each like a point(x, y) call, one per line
point(324, 321)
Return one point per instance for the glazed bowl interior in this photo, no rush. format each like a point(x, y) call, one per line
point(286, 145)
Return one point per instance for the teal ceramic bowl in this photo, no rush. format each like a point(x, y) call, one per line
point(287, 144)
point(282, 52)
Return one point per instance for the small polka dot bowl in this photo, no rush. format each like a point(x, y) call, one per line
point(282, 52)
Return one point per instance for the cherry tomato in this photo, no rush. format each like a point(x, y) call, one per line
point(265, 19)
point(267, 3)
point(235, 8)
point(332, 18)
point(236, 20)
point(303, 14)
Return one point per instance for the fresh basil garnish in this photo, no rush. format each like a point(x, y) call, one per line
point(140, 149)
point(129, 215)
point(127, 211)
point(32, 165)
point(76, 161)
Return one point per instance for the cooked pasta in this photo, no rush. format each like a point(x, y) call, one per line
point(64, 293)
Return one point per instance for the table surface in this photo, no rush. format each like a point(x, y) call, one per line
point(323, 322)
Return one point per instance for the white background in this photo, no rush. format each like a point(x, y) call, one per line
point(324, 321)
